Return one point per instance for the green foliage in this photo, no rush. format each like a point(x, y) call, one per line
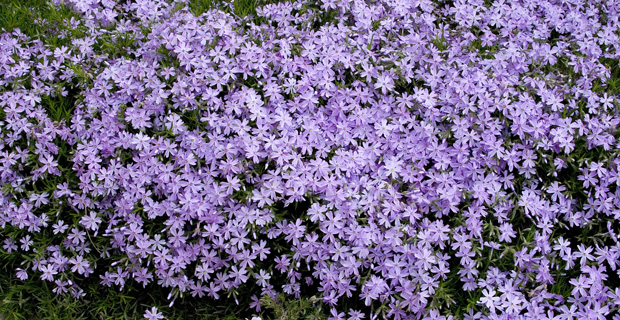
point(440, 41)
point(242, 8)
point(38, 19)
point(34, 299)
point(15, 14)
point(303, 309)
point(59, 108)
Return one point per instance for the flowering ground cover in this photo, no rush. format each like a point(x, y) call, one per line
point(332, 159)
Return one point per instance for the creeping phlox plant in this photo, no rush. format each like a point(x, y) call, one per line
point(388, 158)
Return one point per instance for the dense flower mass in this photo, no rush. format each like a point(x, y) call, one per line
point(396, 159)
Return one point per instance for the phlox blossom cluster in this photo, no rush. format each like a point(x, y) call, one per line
point(396, 159)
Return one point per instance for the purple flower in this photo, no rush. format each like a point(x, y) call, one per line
point(80, 265)
point(153, 314)
point(48, 272)
point(22, 274)
point(91, 221)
